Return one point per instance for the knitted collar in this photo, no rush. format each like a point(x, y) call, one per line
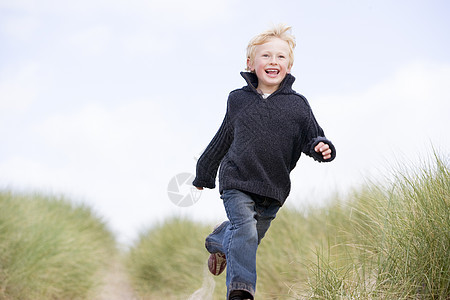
point(252, 81)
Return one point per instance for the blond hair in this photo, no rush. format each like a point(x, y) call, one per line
point(281, 31)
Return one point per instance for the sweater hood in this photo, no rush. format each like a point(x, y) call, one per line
point(285, 86)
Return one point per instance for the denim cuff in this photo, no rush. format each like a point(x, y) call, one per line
point(240, 286)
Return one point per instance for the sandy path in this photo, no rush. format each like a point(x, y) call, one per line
point(116, 284)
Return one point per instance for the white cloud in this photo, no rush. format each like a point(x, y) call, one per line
point(19, 88)
point(25, 171)
point(20, 27)
point(401, 111)
point(91, 41)
point(142, 43)
point(195, 11)
point(123, 139)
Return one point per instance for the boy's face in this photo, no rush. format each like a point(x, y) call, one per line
point(271, 64)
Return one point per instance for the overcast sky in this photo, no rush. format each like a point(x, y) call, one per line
point(106, 101)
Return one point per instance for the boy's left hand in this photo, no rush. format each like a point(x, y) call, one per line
point(324, 149)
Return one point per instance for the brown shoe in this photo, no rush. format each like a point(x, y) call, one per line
point(217, 263)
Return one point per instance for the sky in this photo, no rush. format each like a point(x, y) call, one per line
point(108, 102)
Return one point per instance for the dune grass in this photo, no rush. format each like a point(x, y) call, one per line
point(49, 247)
point(394, 241)
point(387, 240)
point(168, 261)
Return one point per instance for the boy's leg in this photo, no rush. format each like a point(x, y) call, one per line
point(266, 211)
point(240, 241)
point(238, 238)
point(214, 244)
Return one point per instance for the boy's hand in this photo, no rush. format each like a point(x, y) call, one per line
point(324, 149)
point(199, 188)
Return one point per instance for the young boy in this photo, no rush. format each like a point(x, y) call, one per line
point(266, 127)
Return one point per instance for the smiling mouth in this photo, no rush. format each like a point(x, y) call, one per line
point(272, 72)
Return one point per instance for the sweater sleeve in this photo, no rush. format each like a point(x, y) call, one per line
point(209, 161)
point(314, 136)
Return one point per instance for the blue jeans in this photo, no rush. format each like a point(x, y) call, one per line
point(249, 218)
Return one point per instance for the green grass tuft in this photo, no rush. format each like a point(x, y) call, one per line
point(49, 248)
point(395, 241)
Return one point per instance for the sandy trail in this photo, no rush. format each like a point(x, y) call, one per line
point(115, 284)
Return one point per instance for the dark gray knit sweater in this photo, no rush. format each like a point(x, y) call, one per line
point(260, 141)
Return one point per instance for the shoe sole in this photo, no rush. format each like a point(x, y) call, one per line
point(217, 263)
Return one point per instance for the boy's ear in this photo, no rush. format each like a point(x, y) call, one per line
point(250, 65)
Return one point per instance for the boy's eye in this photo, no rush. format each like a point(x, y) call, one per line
point(265, 55)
